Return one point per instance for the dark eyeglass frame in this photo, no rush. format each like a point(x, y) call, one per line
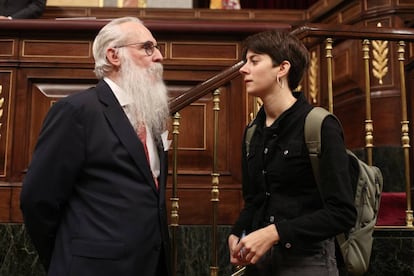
point(148, 46)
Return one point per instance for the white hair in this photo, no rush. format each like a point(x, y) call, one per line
point(109, 36)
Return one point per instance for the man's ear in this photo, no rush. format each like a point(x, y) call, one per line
point(113, 57)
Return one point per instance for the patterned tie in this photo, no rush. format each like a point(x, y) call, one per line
point(142, 135)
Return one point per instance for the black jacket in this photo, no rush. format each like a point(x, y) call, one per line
point(278, 182)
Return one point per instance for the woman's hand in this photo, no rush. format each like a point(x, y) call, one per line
point(235, 256)
point(253, 246)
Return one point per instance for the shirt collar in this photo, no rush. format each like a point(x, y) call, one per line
point(119, 93)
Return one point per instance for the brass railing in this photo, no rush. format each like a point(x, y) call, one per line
point(176, 105)
point(204, 88)
point(316, 32)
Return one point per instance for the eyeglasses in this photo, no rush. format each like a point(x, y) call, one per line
point(148, 46)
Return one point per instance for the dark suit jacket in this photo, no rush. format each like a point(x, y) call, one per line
point(19, 9)
point(89, 199)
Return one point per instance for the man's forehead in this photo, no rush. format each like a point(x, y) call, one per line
point(137, 29)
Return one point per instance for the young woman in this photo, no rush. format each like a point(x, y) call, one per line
point(288, 225)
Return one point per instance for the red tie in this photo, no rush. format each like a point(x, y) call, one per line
point(142, 135)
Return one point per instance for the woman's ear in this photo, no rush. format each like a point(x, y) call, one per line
point(284, 68)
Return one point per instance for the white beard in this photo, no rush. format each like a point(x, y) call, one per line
point(149, 96)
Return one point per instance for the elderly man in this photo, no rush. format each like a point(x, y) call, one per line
point(93, 198)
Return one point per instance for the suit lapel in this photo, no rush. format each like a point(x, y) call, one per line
point(124, 130)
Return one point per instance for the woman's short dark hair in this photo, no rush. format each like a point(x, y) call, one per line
point(280, 46)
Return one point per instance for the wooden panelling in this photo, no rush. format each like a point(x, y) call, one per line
point(15, 213)
point(5, 201)
point(204, 51)
point(377, 4)
point(405, 3)
point(195, 144)
point(195, 204)
point(42, 97)
point(347, 66)
point(7, 47)
point(6, 78)
point(386, 116)
point(341, 65)
point(220, 14)
point(384, 21)
point(61, 49)
point(35, 91)
point(280, 16)
point(321, 7)
point(242, 15)
point(193, 128)
point(186, 77)
point(350, 12)
point(173, 13)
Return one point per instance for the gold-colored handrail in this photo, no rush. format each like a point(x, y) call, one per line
point(174, 197)
point(313, 34)
point(369, 128)
point(405, 139)
point(328, 48)
point(215, 186)
point(338, 32)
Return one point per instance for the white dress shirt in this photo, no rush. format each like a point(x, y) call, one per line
point(124, 100)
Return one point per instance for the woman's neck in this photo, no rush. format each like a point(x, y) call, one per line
point(276, 104)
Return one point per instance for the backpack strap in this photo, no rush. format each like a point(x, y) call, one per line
point(313, 129)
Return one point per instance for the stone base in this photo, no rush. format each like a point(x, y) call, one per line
point(393, 252)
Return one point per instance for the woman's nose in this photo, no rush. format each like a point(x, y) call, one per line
point(243, 69)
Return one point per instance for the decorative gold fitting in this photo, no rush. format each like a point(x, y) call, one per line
point(213, 271)
point(176, 123)
point(216, 100)
point(313, 77)
point(409, 218)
